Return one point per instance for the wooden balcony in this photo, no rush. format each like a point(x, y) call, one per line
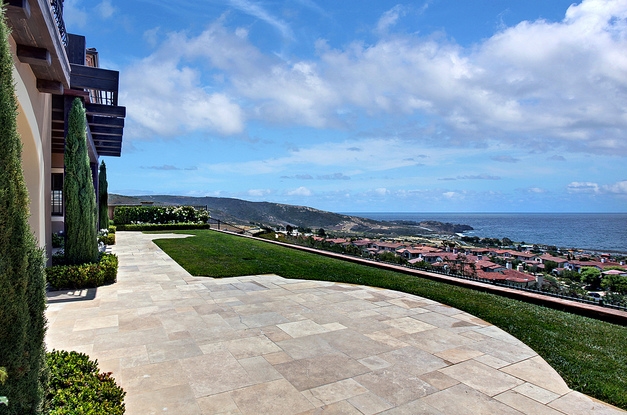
point(35, 27)
point(105, 125)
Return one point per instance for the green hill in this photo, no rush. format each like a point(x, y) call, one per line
point(242, 212)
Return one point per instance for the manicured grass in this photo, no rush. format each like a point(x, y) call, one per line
point(590, 355)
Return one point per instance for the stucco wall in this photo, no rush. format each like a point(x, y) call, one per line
point(34, 126)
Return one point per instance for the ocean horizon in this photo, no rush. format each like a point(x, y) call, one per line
point(590, 231)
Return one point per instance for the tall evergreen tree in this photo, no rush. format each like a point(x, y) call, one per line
point(81, 243)
point(103, 196)
point(22, 278)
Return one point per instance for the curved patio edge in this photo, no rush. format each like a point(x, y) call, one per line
point(266, 344)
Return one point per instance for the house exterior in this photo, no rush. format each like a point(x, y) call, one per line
point(387, 246)
point(547, 257)
point(51, 69)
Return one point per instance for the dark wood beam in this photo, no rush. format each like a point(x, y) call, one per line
point(97, 129)
point(50, 87)
point(77, 93)
point(33, 55)
point(33, 24)
point(94, 78)
point(58, 116)
point(106, 110)
point(105, 121)
point(108, 138)
point(108, 145)
point(111, 153)
point(21, 5)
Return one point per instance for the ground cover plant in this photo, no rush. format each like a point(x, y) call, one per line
point(78, 387)
point(589, 354)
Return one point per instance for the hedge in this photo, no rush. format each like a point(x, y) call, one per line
point(77, 387)
point(125, 215)
point(162, 227)
point(84, 276)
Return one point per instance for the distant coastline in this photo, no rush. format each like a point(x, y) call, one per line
point(600, 232)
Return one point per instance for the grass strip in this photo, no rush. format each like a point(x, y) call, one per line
point(590, 355)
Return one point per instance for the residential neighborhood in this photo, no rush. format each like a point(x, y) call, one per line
point(533, 266)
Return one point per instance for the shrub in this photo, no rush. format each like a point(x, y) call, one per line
point(163, 227)
point(77, 387)
point(57, 240)
point(125, 215)
point(112, 229)
point(103, 197)
point(106, 237)
point(85, 275)
point(81, 244)
point(22, 283)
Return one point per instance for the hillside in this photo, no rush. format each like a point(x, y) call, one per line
point(242, 212)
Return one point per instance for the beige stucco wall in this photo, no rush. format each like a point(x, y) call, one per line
point(34, 125)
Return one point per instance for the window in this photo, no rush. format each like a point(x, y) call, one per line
point(57, 194)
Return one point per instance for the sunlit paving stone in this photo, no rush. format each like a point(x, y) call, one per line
point(267, 345)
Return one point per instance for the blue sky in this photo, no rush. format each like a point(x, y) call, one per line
point(424, 106)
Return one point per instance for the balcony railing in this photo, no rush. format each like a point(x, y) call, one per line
point(57, 10)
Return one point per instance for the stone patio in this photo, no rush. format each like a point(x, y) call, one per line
point(263, 344)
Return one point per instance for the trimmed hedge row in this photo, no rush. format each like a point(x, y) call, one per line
point(77, 387)
point(84, 276)
point(126, 215)
point(163, 227)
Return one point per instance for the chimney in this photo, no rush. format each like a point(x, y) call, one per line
point(479, 257)
point(508, 265)
point(520, 268)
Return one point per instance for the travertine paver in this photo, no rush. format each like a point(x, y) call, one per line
point(268, 345)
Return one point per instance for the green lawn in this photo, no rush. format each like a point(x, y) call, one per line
point(590, 355)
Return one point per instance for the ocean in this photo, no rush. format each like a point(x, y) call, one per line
point(592, 231)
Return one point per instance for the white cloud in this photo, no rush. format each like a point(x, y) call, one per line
point(259, 192)
point(618, 188)
point(505, 159)
point(536, 190)
point(152, 36)
point(73, 14)
point(255, 10)
point(301, 191)
point(164, 96)
point(377, 155)
point(538, 85)
point(583, 187)
point(390, 18)
point(105, 9)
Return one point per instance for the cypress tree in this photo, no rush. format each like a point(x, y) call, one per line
point(22, 278)
point(81, 243)
point(103, 198)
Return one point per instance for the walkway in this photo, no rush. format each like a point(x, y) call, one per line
point(268, 345)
